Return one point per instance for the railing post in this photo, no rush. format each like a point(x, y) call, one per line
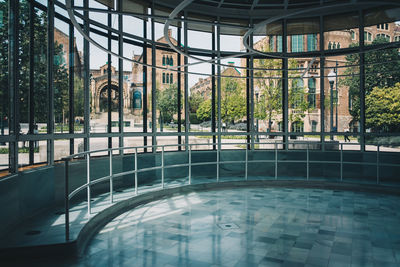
point(136, 170)
point(341, 162)
point(218, 163)
point(308, 161)
point(377, 164)
point(276, 161)
point(66, 200)
point(88, 181)
point(246, 163)
point(162, 166)
point(190, 164)
point(111, 178)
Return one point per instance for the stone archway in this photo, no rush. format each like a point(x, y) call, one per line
point(103, 98)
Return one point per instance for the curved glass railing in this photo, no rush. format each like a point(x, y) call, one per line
point(277, 147)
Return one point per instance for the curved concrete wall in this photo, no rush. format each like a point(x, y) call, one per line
point(28, 193)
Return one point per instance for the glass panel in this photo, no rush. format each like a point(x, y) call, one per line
point(167, 140)
point(342, 94)
point(4, 159)
point(4, 108)
point(40, 70)
point(382, 91)
point(78, 84)
point(341, 32)
point(201, 142)
point(200, 97)
point(133, 142)
point(133, 97)
point(296, 43)
point(231, 43)
point(382, 25)
point(101, 143)
point(128, 21)
point(24, 83)
point(61, 149)
point(99, 87)
point(198, 39)
point(304, 94)
point(233, 98)
point(268, 95)
point(61, 76)
point(39, 156)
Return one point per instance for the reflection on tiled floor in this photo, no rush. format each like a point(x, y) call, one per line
point(254, 227)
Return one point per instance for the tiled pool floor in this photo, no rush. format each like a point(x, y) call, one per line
point(254, 227)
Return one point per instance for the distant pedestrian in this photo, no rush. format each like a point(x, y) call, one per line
point(346, 137)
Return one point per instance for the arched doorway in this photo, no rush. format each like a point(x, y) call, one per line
point(103, 101)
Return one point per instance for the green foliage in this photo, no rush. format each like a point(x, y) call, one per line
point(40, 66)
point(194, 102)
point(167, 102)
point(268, 102)
point(193, 118)
point(203, 113)
point(233, 102)
point(79, 97)
point(382, 68)
point(383, 109)
point(4, 150)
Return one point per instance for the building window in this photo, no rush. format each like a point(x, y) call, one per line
point(311, 42)
point(163, 60)
point(297, 126)
point(314, 126)
point(311, 93)
point(171, 79)
point(338, 45)
point(368, 36)
point(329, 46)
point(137, 100)
point(334, 45)
point(171, 61)
point(297, 43)
point(397, 38)
point(353, 35)
point(167, 78)
point(383, 36)
point(163, 78)
point(271, 43)
point(297, 85)
point(279, 43)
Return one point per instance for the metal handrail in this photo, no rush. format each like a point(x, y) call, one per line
point(188, 147)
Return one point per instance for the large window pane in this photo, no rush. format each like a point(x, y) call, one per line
point(342, 94)
point(304, 95)
point(61, 76)
point(4, 108)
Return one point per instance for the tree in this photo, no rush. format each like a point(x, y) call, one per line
point(40, 66)
point(383, 109)
point(203, 113)
point(167, 102)
point(194, 102)
point(233, 107)
point(233, 102)
point(382, 68)
point(269, 95)
point(269, 84)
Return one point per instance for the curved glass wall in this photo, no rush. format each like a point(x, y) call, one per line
point(315, 78)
